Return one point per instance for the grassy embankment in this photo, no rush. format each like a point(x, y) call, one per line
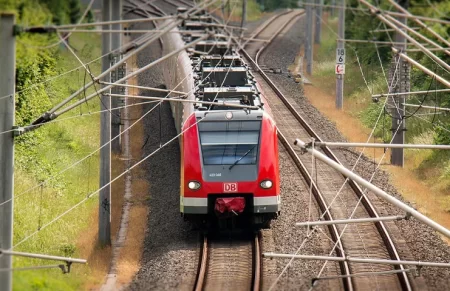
point(425, 179)
point(59, 145)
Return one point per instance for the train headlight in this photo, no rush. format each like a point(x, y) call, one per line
point(229, 115)
point(194, 185)
point(266, 184)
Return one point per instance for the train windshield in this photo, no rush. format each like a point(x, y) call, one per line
point(229, 143)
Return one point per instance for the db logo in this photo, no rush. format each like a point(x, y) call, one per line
point(230, 187)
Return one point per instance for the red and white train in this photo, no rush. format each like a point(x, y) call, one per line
point(229, 155)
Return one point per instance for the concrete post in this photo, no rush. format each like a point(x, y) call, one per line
point(7, 85)
point(318, 17)
point(340, 45)
point(309, 36)
point(116, 42)
point(104, 221)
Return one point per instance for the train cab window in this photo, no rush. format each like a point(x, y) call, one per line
point(227, 143)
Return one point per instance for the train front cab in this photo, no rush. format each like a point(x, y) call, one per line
point(230, 167)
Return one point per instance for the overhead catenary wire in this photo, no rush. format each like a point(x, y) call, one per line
point(98, 190)
point(387, 21)
point(136, 20)
point(163, 99)
point(34, 85)
point(423, 25)
point(51, 113)
point(380, 11)
point(87, 98)
point(98, 149)
point(110, 182)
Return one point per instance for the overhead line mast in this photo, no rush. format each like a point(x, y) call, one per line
point(7, 112)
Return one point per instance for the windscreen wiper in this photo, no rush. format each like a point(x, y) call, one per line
point(243, 156)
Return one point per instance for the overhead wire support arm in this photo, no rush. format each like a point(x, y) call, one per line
point(377, 191)
point(42, 257)
point(352, 220)
point(50, 115)
point(422, 68)
point(66, 260)
point(54, 28)
point(56, 114)
point(418, 21)
point(427, 107)
point(383, 145)
point(379, 14)
point(358, 260)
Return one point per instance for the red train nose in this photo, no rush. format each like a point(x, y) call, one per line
point(234, 205)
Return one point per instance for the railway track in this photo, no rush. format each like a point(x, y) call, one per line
point(229, 264)
point(370, 240)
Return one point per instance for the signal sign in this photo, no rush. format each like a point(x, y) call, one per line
point(340, 56)
point(339, 69)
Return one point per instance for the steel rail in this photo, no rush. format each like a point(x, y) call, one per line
point(381, 227)
point(204, 264)
point(345, 269)
point(263, 26)
point(256, 264)
point(295, 16)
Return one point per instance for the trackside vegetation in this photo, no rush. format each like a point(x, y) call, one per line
point(423, 126)
point(45, 75)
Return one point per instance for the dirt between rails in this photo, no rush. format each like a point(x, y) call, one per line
point(414, 240)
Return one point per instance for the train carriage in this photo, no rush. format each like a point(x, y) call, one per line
point(229, 153)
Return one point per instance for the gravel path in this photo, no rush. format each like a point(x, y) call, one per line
point(414, 240)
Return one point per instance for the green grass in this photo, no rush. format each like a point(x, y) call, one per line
point(63, 143)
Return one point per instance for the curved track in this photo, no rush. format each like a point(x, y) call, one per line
point(229, 264)
point(359, 240)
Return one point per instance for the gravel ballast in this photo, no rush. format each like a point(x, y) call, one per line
point(414, 240)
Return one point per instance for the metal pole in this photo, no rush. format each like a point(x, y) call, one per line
point(422, 68)
point(410, 93)
point(348, 221)
point(7, 85)
point(427, 107)
point(402, 17)
point(318, 17)
point(377, 191)
point(43, 257)
point(309, 36)
point(428, 41)
point(357, 260)
point(418, 21)
point(340, 46)
point(244, 15)
point(383, 145)
point(106, 23)
point(116, 42)
point(333, 4)
point(104, 219)
point(399, 76)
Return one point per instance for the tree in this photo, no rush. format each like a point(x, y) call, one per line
point(74, 11)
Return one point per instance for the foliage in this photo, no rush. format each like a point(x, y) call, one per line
point(269, 5)
point(35, 158)
point(361, 25)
